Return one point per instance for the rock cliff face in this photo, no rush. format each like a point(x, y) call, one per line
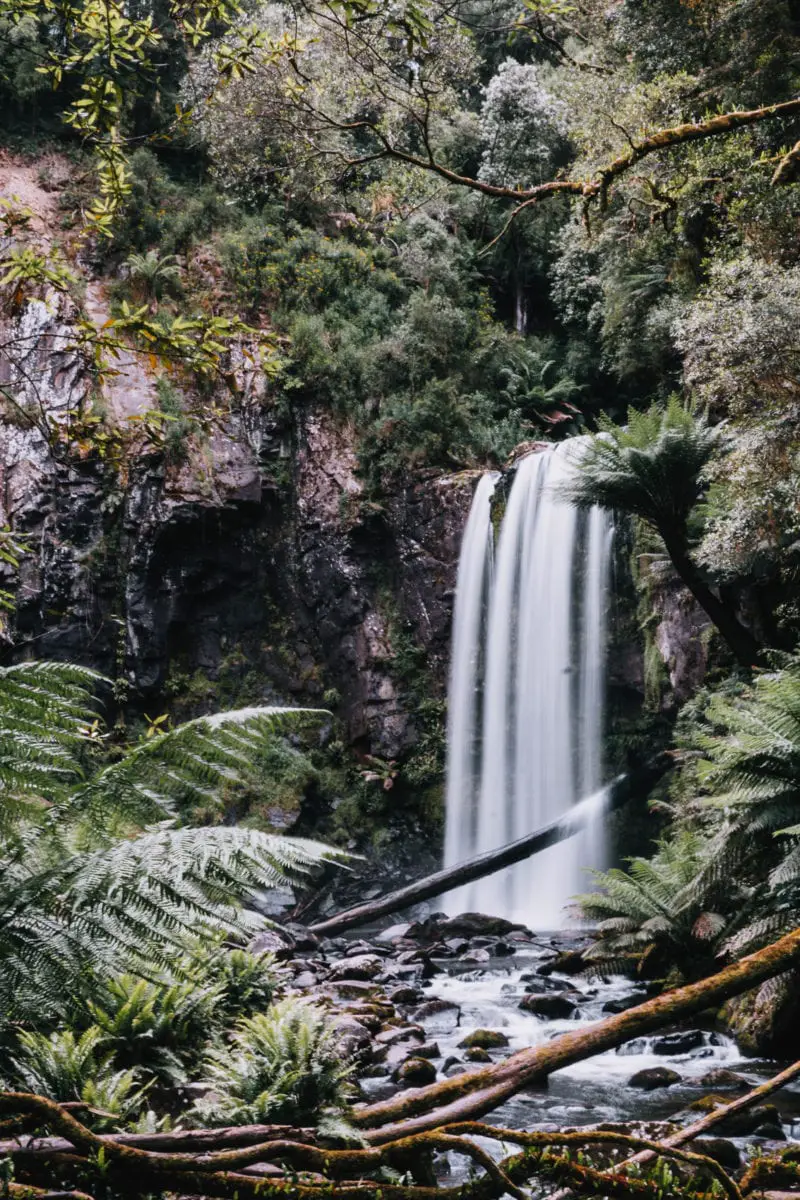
point(172, 573)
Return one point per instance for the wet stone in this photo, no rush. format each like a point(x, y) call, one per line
point(477, 1054)
point(549, 1005)
point(406, 995)
point(361, 967)
point(654, 1077)
point(720, 1149)
point(722, 1078)
point(485, 1039)
point(679, 1043)
point(416, 1072)
point(440, 1015)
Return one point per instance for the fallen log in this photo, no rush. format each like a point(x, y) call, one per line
point(467, 1097)
point(196, 1141)
point(623, 788)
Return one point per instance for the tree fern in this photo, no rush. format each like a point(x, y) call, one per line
point(100, 877)
point(650, 917)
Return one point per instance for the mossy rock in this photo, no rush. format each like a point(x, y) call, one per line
point(484, 1039)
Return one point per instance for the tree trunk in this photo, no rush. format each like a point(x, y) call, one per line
point(623, 788)
point(467, 1097)
point(741, 641)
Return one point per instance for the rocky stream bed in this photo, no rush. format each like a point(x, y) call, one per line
point(423, 1001)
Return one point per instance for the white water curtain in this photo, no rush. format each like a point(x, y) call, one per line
point(527, 689)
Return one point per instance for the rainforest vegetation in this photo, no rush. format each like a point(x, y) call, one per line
point(455, 229)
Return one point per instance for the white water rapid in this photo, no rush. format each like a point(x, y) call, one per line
point(527, 690)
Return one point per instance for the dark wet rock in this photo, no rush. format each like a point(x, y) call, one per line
point(477, 1054)
point(416, 1072)
point(550, 1005)
point(473, 924)
point(455, 1068)
point(441, 1015)
point(748, 1122)
point(356, 949)
point(428, 1050)
point(486, 1039)
point(654, 1077)
point(456, 945)
point(770, 1131)
point(568, 962)
point(303, 938)
point(405, 995)
point(720, 1077)
point(679, 1043)
point(503, 949)
point(361, 966)
point(720, 1149)
point(622, 1004)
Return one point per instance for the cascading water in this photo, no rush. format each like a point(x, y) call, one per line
point(526, 689)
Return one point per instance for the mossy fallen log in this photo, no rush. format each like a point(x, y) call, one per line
point(625, 787)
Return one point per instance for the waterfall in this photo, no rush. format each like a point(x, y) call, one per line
point(526, 689)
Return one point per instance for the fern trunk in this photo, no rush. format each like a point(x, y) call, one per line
point(740, 640)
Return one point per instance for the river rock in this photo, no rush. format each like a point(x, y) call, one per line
point(402, 1033)
point(720, 1149)
point(443, 1016)
point(354, 1039)
point(474, 924)
point(428, 1050)
point(486, 1039)
point(306, 979)
point(654, 1077)
point(479, 955)
point(678, 1043)
point(406, 995)
point(273, 941)
point(477, 1054)
point(416, 1072)
point(456, 945)
point(394, 933)
point(750, 1121)
point(361, 966)
point(720, 1077)
point(622, 1004)
point(550, 1005)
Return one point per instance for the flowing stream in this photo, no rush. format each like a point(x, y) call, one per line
point(527, 689)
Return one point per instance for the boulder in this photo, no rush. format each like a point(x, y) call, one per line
point(720, 1077)
point(551, 1005)
point(354, 1039)
point(416, 1072)
point(273, 941)
point(654, 1077)
point(443, 1016)
point(360, 966)
point(472, 924)
point(486, 1039)
point(622, 1004)
point(720, 1149)
point(405, 995)
point(568, 962)
point(401, 1033)
point(479, 955)
point(477, 1054)
point(428, 1050)
point(679, 1043)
